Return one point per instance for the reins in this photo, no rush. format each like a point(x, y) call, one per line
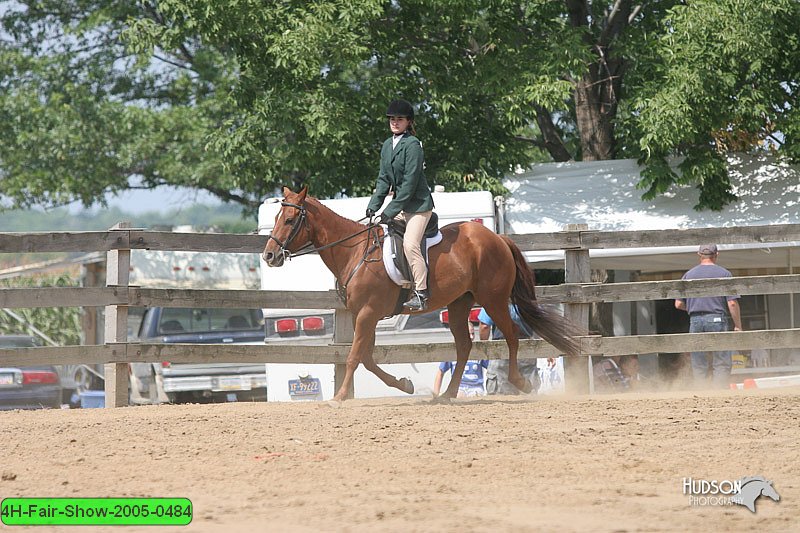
point(309, 248)
point(341, 288)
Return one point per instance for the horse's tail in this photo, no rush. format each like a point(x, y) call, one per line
point(551, 326)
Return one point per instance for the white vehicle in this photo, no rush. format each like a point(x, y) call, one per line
point(315, 326)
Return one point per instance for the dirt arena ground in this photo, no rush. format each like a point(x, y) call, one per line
point(600, 463)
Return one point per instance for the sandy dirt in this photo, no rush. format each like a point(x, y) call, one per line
point(600, 463)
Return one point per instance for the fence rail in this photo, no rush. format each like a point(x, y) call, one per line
point(572, 239)
point(134, 352)
point(577, 294)
point(585, 239)
point(573, 293)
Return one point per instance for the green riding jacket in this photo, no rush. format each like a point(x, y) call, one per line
point(401, 173)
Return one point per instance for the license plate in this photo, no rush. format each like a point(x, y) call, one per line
point(232, 383)
point(6, 379)
point(304, 387)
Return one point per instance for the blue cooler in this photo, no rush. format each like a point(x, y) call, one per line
point(93, 398)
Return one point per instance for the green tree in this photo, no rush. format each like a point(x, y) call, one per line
point(238, 97)
point(226, 218)
point(726, 79)
point(84, 116)
point(61, 324)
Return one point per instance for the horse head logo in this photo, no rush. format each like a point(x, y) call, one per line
point(752, 488)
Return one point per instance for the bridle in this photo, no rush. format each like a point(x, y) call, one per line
point(308, 248)
point(373, 243)
point(296, 225)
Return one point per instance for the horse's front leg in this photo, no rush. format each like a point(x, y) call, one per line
point(350, 368)
point(363, 341)
point(361, 352)
point(403, 384)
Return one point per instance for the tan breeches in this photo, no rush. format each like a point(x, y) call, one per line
point(415, 228)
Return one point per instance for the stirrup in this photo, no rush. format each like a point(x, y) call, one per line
point(418, 302)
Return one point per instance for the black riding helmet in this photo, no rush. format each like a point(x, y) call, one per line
point(400, 108)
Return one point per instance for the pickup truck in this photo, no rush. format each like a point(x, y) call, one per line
point(202, 382)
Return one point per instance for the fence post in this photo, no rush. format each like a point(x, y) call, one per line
point(343, 333)
point(577, 270)
point(118, 264)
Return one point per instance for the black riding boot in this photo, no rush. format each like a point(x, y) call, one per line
point(418, 302)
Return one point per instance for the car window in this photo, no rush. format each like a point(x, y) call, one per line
point(18, 342)
point(180, 320)
point(135, 315)
point(424, 321)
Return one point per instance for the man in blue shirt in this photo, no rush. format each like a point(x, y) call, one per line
point(497, 371)
point(710, 314)
point(471, 381)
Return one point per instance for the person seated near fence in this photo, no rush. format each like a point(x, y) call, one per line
point(608, 376)
point(617, 374)
point(629, 365)
point(471, 381)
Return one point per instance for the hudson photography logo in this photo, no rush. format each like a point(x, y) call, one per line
point(744, 491)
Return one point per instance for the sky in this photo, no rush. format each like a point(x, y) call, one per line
point(162, 199)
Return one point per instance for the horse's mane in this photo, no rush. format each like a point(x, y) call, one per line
point(329, 214)
point(750, 479)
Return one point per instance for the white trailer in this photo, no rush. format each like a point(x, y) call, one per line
point(287, 382)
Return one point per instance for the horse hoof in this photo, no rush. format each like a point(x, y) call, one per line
point(406, 386)
point(334, 403)
point(440, 400)
point(526, 388)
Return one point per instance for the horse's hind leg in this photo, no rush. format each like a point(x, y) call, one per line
point(503, 321)
point(460, 328)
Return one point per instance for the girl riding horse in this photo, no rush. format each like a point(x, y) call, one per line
point(471, 264)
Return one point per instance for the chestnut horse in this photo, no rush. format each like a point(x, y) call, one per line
point(471, 264)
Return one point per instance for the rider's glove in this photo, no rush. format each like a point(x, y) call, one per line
point(370, 213)
point(385, 219)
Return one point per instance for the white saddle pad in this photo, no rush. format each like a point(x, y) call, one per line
point(388, 258)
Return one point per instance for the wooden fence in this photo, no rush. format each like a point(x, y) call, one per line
point(578, 293)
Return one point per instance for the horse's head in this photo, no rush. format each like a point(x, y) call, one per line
point(768, 490)
point(290, 232)
point(751, 488)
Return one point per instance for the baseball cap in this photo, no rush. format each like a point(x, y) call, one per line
point(707, 249)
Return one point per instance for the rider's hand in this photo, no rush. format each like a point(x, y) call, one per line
point(385, 219)
point(370, 213)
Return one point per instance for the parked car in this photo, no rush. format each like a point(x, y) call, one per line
point(28, 387)
point(199, 382)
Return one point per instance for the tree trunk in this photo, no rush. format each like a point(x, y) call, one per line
point(596, 93)
point(595, 108)
point(551, 136)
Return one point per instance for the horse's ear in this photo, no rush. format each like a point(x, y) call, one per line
point(287, 191)
point(302, 193)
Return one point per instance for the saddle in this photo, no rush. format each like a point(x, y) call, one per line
point(395, 259)
point(397, 230)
